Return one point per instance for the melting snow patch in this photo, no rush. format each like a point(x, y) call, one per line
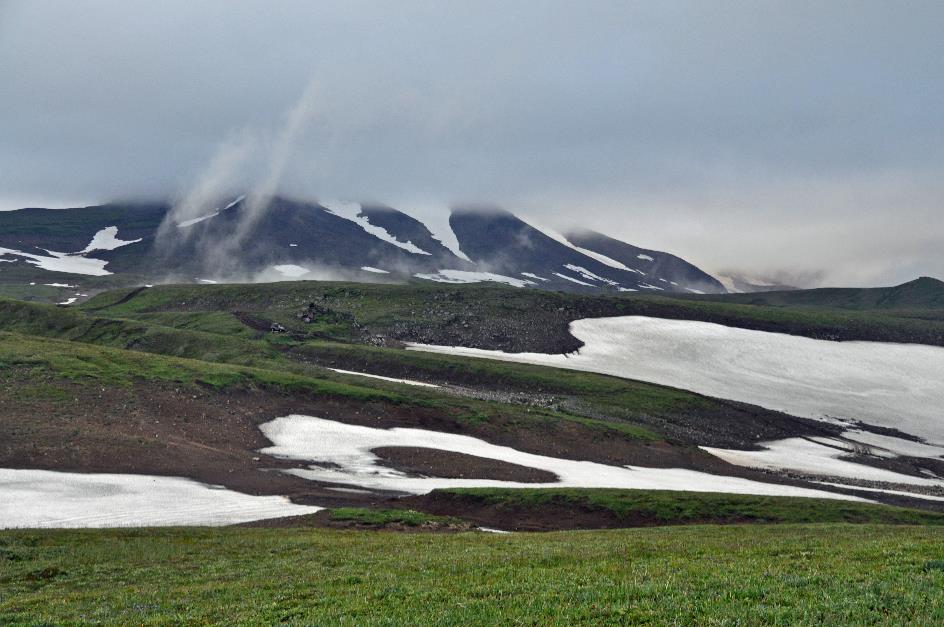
point(43, 498)
point(814, 458)
point(62, 262)
point(342, 455)
point(106, 240)
point(588, 275)
point(627, 289)
point(692, 290)
point(351, 210)
point(291, 270)
point(69, 301)
point(59, 285)
point(207, 281)
point(377, 376)
point(375, 270)
point(645, 257)
point(293, 245)
point(572, 279)
point(193, 221)
point(650, 287)
point(534, 276)
point(557, 237)
point(891, 385)
point(463, 276)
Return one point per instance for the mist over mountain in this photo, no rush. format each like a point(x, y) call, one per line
point(296, 239)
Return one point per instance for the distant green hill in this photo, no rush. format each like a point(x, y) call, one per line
point(923, 293)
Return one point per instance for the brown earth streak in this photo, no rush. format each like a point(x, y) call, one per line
point(430, 462)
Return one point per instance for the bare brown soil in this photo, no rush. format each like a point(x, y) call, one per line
point(430, 462)
point(213, 436)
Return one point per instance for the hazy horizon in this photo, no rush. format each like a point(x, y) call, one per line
point(784, 140)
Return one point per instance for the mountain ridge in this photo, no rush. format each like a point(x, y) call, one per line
point(297, 238)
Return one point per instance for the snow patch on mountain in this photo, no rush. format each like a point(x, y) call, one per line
point(464, 276)
point(62, 262)
point(199, 219)
point(534, 276)
point(573, 280)
point(375, 270)
point(291, 270)
point(351, 210)
point(588, 275)
point(557, 237)
point(106, 239)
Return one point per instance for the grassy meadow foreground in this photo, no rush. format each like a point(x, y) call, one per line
point(782, 574)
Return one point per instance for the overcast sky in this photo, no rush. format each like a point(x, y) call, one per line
point(804, 138)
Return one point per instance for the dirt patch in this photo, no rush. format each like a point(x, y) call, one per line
point(430, 462)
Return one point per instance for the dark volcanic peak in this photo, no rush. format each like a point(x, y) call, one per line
point(297, 239)
point(664, 265)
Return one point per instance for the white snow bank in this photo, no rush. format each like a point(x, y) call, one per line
point(436, 220)
point(62, 262)
point(645, 257)
point(58, 285)
point(377, 376)
point(343, 456)
point(891, 385)
point(534, 276)
point(69, 301)
point(559, 238)
point(193, 221)
point(106, 239)
point(290, 270)
point(588, 275)
point(573, 280)
point(814, 458)
point(464, 276)
point(350, 211)
point(376, 270)
point(43, 498)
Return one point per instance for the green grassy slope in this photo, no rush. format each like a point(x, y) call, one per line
point(785, 574)
point(633, 408)
point(923, 293)
point(658, 507)
point(499, 317)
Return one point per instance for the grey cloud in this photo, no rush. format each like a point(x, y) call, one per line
point(800, 136)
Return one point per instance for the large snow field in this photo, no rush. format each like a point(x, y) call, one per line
point(342, 453)
point(891, 385)
point(43, 498)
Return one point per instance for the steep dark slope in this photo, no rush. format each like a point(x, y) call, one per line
point(503, 243)
point(71, 230)
point(408, 229)
point(664, 265)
